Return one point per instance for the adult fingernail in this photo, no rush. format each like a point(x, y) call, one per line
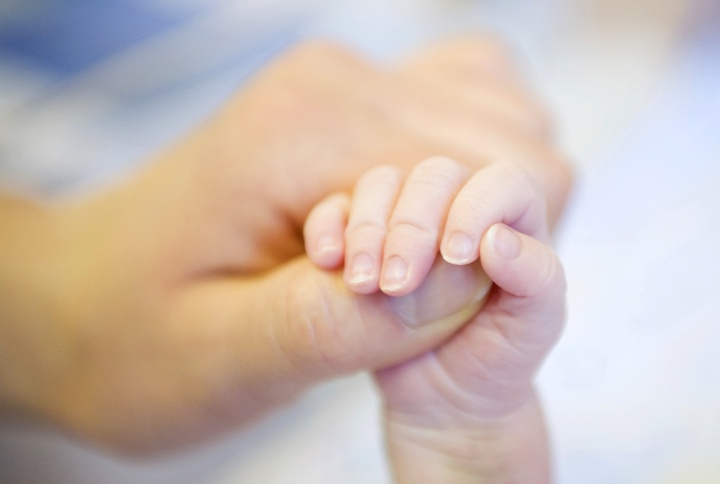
point(394, 274)
point(458, 248)
point(362, 268)
point(504, 241)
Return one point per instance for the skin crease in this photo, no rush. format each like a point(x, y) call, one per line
point(178, 305)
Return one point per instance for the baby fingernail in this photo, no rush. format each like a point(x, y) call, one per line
point(394, 274)
point(325, 243)
point(362, 268)
point(504, 241)
point(458, 248)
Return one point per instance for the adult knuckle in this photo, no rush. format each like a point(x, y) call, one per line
point(301, 339)
point(317, 345)
point(282, 100)
point(322, 51)
point(490, 49)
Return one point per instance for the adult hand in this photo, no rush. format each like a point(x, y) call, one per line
point(178, 304)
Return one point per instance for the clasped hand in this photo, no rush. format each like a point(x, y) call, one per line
point(179, 304)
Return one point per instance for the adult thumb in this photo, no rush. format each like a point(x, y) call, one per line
point(305, 319)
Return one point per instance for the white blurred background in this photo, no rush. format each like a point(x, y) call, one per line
point(633, 390)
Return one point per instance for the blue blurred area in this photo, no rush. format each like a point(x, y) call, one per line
point(69, 36)
point(90, 87)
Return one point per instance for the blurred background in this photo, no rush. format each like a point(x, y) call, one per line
point(90, 88)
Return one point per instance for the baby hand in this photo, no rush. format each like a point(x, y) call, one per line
point(388, 234)
point(466, 410)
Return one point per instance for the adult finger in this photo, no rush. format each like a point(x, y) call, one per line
point(483, 72)
point(471, 56)
point(480, 110)
point(272, 336)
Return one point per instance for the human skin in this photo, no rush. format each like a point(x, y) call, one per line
point(395, 227)
point(178, 304)
point(465, 411)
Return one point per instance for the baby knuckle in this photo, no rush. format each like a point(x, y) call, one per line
point(515, 177)
point(438, 173)
point(381, 175)
point(414, 230)
point(551, 277)
point(365, 230)
point(438, 163)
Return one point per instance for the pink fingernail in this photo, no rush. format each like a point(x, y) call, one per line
point(362, 268)
point(325, 243)
point(394, 274)
point(458, 248)
point(504, 241)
